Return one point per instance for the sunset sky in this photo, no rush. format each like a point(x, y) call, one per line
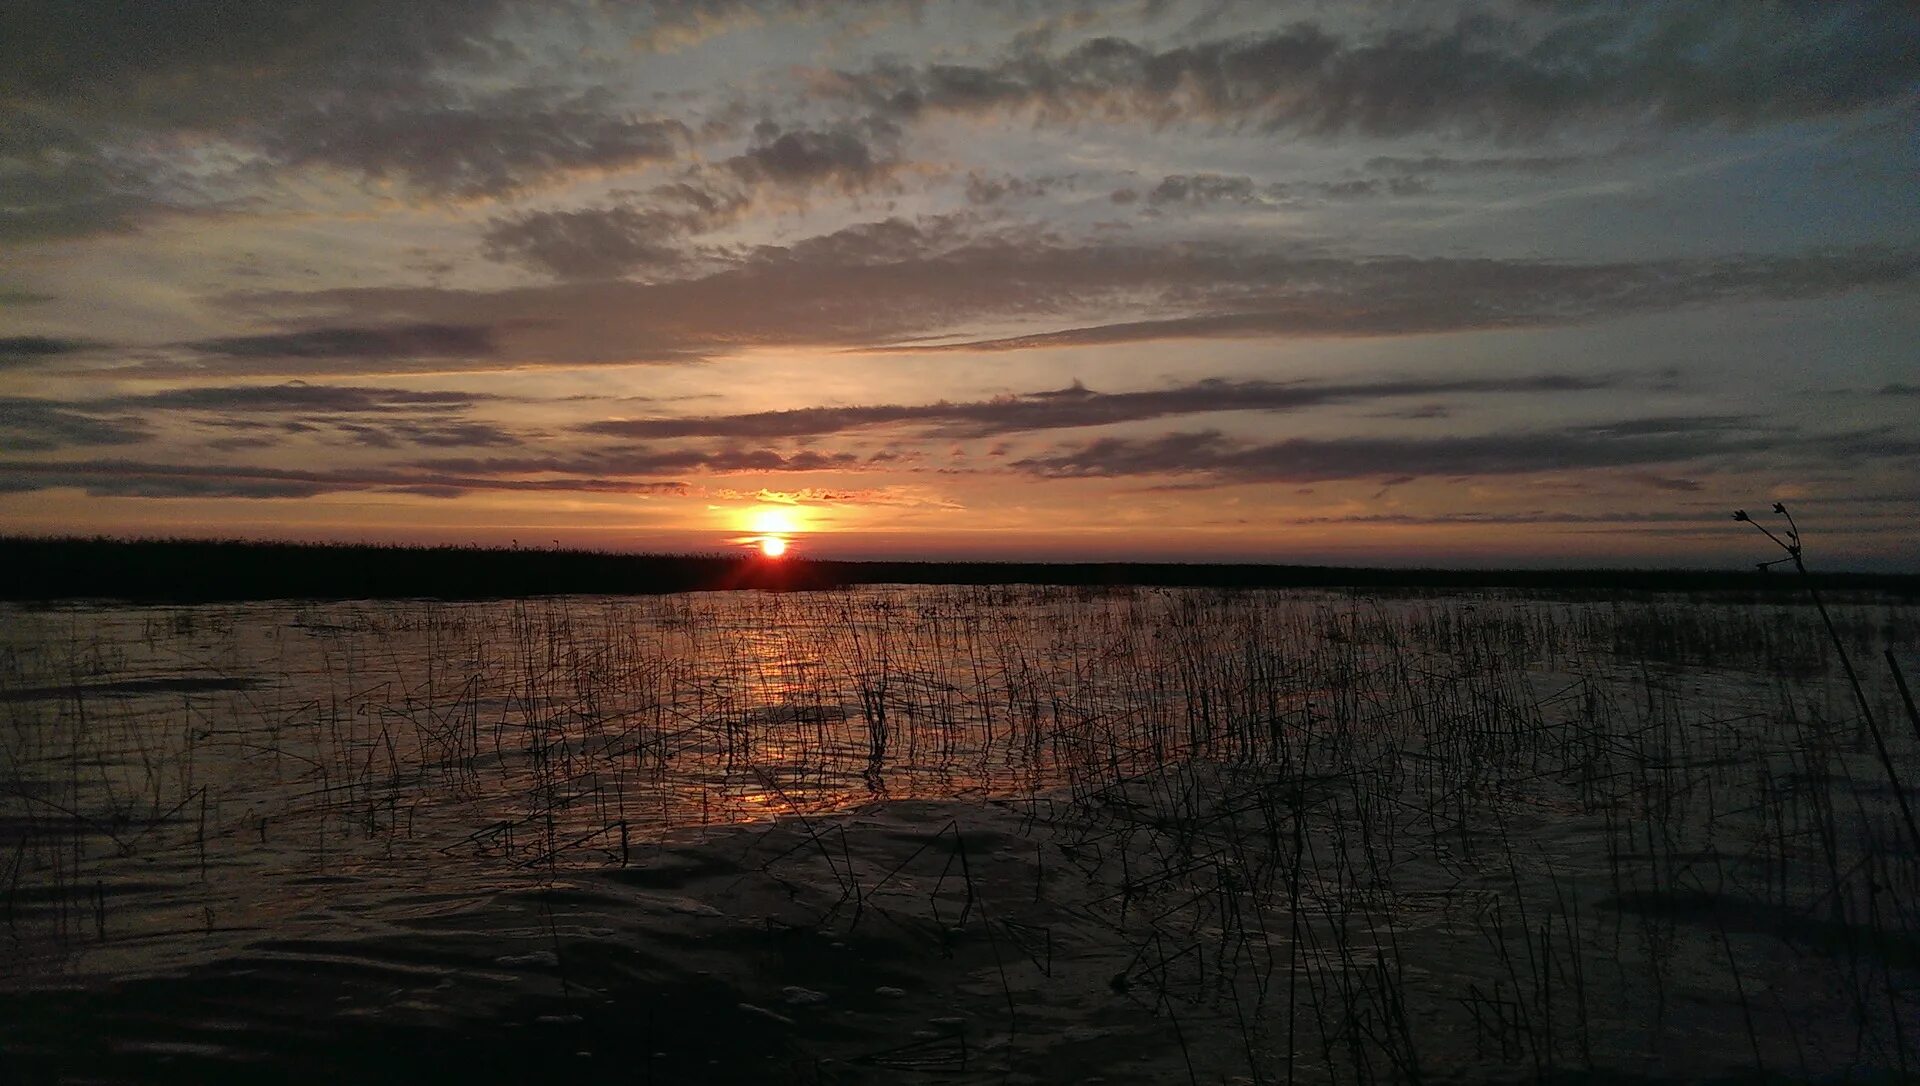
point(1470, 283)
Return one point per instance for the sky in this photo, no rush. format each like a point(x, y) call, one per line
point(1487, 282)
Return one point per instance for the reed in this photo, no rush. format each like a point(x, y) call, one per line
point(1366, 837)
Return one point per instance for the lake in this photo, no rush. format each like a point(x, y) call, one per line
point(986, 832)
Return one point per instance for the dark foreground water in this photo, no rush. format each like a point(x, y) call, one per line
point(395, 840)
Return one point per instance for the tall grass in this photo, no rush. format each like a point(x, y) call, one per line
point(1375, 837)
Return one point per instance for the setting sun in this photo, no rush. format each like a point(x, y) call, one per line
point(773, 546)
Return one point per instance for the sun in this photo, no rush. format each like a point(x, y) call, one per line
point(773, 546)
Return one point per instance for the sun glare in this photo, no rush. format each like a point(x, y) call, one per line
point(773, 546)
point(773, 521)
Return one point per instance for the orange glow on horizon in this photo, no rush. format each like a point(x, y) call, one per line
point(773, 546)
point(774, 520)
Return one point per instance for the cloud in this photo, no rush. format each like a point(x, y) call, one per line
point(443, 145)
point(1538, 516)
point(1667, 482)
point(648, 233)
point(1205, 188)
point(57, 182)
point(125, 110)
point(262, 415)
point(392, 435)
point(1442, 164)
point(296, 396)
point(590, 243)
point(893, 285)
point(984, 189)
point(25, 350)
point(1628, 443)
point(642, 460)
point(1416, 411)
point(848, 157)
point(900, 496)
point(203, 61)
point(1200, 190)
point(674, 25)
point(29, 425)
point(416, 340)
point(1391, 296)
point(134, 479)
point(1076, 406)
point(1729, 63)
point(108, 106)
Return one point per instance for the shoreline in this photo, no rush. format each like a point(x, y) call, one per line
point(193, 571)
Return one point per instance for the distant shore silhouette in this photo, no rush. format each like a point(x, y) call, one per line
point(193, 571)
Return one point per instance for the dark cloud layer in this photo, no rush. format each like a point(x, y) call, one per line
point(55, 182)
point(1731, 63)
point(881, 285)
point(1390, 296)
point(623, 471)
point(21, 350)
point(384, 90)
point(198, 60)
point(1442, 164)
point(644, 460)
point(488, 147)
point(135, 479)
point(88, 89)
point(418, 340)
point(1071, 407)
point(256, 416)
point(594, 242)
point(1200, 190)
point(28, 425)
point(1630, 443)
point(299, 397)
point(844, 156)
point(648, 234)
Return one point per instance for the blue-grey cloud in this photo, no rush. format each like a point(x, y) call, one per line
point(1484, 164)
point(892, 285)
point(448, 145)
point(1078, 406)
point(1211, 456)
point(414, 340)
point(140, 479)
point(849, 157)
point(648, 234)
point(295, 396)
point(1729, 63)
point(30, 425)
point(259, 416)
point(24, 350)
point(596, 242)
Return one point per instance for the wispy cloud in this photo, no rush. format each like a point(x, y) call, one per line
point(450, 144)
point(1511, 78)
point(419, 340)
point(1076, 406)
point(880, 285)
point(1629, 443)
point(25, 350)
point(137, 479)
point(28, 425)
